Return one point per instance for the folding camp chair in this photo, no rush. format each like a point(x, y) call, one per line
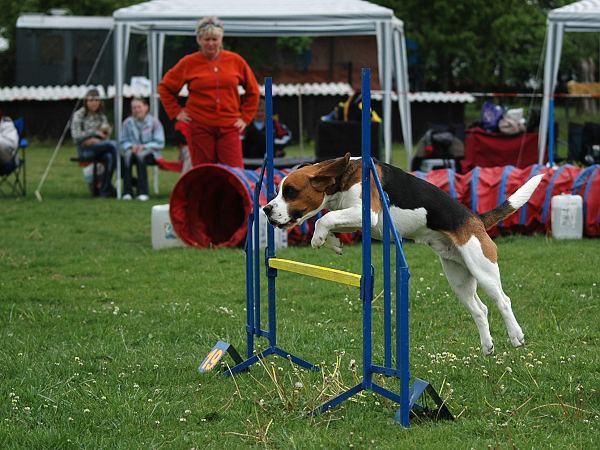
point(12, 173)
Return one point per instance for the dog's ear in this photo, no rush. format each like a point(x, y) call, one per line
point(325, 177)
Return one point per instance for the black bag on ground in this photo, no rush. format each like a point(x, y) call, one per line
point(575, 135)
point(590, 143)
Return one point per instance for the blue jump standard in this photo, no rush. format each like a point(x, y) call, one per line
point(253, 257)
point(408, 396)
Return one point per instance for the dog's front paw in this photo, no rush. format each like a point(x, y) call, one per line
point(318, 239)
point(334, 243)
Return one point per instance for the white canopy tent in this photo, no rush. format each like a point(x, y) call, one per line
point(264, 18)
point(579, 16)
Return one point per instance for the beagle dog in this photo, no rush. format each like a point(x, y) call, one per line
point(421, 212)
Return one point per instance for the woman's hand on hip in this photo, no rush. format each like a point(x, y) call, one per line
point(183, 116)
point(240, 124)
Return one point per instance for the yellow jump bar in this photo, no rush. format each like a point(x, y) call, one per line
point(325, 273)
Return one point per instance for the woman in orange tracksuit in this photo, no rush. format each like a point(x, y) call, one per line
point(214, 110)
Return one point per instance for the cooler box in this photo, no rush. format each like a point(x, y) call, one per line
point(163, 234)
point(567, 216)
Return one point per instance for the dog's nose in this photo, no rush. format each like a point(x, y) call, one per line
point(267, 209)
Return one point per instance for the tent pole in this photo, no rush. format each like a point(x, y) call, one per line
point(152, 40)
point(402, 93)
point(387, 93)
point(551, 132)
point(118, 105)
point(300, 120)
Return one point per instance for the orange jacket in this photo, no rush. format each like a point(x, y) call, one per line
point(213, 97)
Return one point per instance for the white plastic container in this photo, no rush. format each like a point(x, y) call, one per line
point(281, 236)
point(163, 235)
point(567, 216)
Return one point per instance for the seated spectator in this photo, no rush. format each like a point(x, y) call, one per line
point(90, 131)
point(9, 139)
point(142, 140)
point(253, 139)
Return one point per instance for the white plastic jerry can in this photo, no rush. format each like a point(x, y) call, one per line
point(281, 236)
point(163, 234)
point(567, 216)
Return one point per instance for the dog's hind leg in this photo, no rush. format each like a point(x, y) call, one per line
point(479, 254)
point(464, 286)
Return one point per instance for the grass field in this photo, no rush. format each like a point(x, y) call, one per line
point(101, 338)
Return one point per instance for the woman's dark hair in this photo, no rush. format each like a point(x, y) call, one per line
point(93, 93)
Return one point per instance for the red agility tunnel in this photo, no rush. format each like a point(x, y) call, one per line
point(484, 188)
point(210, 205)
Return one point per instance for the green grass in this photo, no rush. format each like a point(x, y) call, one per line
point(101, 337)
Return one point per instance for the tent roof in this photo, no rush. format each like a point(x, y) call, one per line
point(261, 17)
point(64, 22)
point(579, 16)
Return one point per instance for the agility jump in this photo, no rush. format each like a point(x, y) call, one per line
point(408, 396)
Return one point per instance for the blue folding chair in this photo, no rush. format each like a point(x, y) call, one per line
point(13, 173)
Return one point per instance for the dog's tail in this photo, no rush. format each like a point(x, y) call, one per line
point(513, 203)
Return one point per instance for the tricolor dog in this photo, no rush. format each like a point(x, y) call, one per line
point(421, 212)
